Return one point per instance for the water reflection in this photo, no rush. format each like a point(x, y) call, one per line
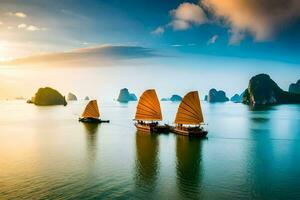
point(147, 164)
point(189, 166)
point(91, 139)
point(260, 153)
point(261, 107)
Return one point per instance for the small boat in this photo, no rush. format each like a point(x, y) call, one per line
point(189, 118)
point(91, 113)
point(148, 114)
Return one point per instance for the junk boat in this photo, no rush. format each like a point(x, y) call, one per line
point(91, 113)
point(189, 118)
point(148, 114)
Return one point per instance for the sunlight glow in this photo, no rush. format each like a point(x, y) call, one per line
point(4, 45)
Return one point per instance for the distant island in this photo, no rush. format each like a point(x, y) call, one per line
point(125, 96)
point(86, 98)
point(262, 90)
point(295, 87)
point(173, 98)
point(19, 98)
point(47, 97)
point(216, 96)
point(71, 97)
point(237, 98)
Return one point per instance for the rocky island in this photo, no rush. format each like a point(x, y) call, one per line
point(173, 98)
point(71, 97)
point(295, 87)
point(47, 97)
point(216, 96)
point(262, 90)
point(125, 96)
point(237, 98)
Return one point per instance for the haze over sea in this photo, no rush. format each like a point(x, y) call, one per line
point(47, 154)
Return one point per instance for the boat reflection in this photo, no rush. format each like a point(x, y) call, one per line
point(91, 130)
point(189, 166)
point(147, 163)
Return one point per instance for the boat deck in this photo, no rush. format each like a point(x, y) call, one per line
point(152, 128)
point(186, 131)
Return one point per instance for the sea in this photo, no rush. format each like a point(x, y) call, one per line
point(46, 153)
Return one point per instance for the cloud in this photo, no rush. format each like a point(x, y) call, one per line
point(17, 14)
point(213, 39)
point(20, 14)
point(236, 36)
point(100, 55)
point(1, 23)
point(260, 18)
point(180, 25)
point(186, 15)
point(32, 28)
point(22, 26)
point(176, 45)
point(159, 30)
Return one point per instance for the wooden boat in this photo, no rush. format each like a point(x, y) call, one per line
point(189, 118)
point(91, 113)
point(148, 113)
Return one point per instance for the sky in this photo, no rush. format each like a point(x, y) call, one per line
point(174, 46)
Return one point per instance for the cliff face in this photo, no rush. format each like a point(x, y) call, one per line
point(262, 90)
point(47, 97)
point(125, 96)
point(295, 87)
point(216, 96)
point(72, 97)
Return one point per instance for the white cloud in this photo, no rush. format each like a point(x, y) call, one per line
point(159, 30)
point(10, 27)
point(17, 14)
point(20, 14)
point(22, 26)
point(186, 15)
point(213, 39)
point(1, 23)
point(176, 45)
point(32, 28)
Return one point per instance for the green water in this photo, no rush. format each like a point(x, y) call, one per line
point(45, 153)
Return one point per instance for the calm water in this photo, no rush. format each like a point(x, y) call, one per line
point(45, 153)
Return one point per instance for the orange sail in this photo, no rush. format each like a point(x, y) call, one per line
point(91, 110)
point(189, 111)
point(148, 107)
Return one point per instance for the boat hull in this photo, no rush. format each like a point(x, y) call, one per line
point(196, 132)
point(152, 128)
point(93, 120)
